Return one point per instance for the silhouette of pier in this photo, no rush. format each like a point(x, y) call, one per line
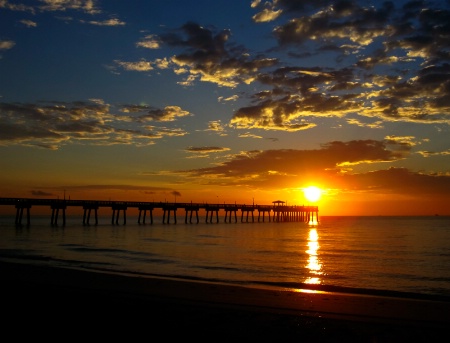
point(277, 212)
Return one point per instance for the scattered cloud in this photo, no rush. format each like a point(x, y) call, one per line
point(28, 23)
point(141, 65)
point(6, 44)
point(249, 135)
point(149, 42)
point(108, 22)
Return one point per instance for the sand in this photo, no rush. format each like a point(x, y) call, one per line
point(60, 304)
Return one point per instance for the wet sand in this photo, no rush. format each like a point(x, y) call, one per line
point(56, 303)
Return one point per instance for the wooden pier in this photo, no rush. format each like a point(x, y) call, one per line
point(277, 212)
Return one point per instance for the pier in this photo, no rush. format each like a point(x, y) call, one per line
point(277, 212)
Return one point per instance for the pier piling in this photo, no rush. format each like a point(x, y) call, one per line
point(191, 210)
point(167, 209)
point(87, 213)
point(116, 208)
point(20, 206)
point(55, 213)
point(210, 210)
point(143, 211)
point(229, 211)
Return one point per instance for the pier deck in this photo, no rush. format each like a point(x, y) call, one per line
point(275, 212)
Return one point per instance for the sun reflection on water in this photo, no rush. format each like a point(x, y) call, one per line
point(313, 221)
point(314, 264)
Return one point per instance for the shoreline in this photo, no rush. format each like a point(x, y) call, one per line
point(208, 309)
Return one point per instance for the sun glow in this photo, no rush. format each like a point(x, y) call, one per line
point(312, 193)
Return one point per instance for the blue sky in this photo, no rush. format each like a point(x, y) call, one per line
point(228, 101)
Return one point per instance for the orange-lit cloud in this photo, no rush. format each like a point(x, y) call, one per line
point(289, 167)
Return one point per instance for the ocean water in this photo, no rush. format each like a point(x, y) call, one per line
point(408, 255)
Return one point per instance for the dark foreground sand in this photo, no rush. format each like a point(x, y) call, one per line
point(70, 305)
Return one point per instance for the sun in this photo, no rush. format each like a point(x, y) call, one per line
point(312, 193)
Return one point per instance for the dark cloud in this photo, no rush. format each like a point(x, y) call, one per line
point(206, 149)
point(343, 21)
point(399, 180)
point(41, 193)
point(209, 56)
point(330, 166)
point(292, 112)
point(295, 162)
point(50, 125)
point(149, 113)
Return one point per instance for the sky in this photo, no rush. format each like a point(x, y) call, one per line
point(228, 101)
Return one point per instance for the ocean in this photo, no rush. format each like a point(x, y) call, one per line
point(385, 255)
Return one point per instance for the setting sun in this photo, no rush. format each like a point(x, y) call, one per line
point(312, 193)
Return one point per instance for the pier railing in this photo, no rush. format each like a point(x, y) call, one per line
point(275, 212)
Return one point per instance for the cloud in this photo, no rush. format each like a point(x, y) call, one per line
point(88, 6)
point(141, 65)
point(16, 7)
point(118, 187)
point(160, 132)
point(265, 15)
point(168, 113)
point(206, 149)
point(328, 166)
point(149, 42)
point(108, 22)
point(361, 25)
point(230, 98)
point(298, 163)
point(204, 152)
point(41, 193)
point(217, 126)
point(294, 162)
point(51, 125)
point(433, 153)
point(207, 56)
point(277, 114)
point(96, 188)
point(28, 23)
point(6, 44)
point(249, 135)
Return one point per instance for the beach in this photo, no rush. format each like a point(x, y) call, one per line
point(108, 305)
